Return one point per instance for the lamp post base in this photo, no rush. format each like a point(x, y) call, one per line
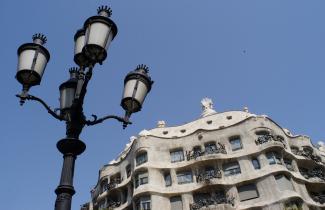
point(70, 148)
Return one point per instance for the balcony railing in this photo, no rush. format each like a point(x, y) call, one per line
point(315, 173)
point(113, 204)
point(307, 154)
point(206, 176)
point(206, 202)
point(268, 138)
point(112, 184)
point(216, 149)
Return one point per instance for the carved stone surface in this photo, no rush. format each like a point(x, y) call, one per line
point(206, 202)
point(309, 155)
point(207, 107)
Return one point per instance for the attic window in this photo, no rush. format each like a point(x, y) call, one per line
point(183, 130)
point(165, 132)
point(209, 122)
point(222, 126)
point(229, 117)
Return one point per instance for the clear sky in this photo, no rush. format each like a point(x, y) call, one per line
point(267, 55)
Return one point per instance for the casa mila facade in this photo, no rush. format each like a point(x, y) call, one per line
point(221, 161)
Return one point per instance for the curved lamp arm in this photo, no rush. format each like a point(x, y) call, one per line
point(100, 120)
point(49, 110)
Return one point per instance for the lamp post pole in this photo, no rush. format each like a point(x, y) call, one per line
point(91, 43)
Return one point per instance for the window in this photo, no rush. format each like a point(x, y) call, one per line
point(273, 158)
point(184, 177)
point(141, 158)
point(168, 179)
point(288, 164)
point(177, 155)
point(231, 169)
point(128, 170)
point(256, 163)
point(262, 133)
point(176, 203)
point(235, 143)
point(247, 192)
point(283, 182)
point(210, 148)
point(144, 203)
point(141, 178)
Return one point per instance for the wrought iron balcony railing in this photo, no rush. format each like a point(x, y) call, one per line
point(206, 176)
point(112, 184)
point(206, 202)
point(308, 155)
point(216, 149)
point(314, 173)
point(268, 138)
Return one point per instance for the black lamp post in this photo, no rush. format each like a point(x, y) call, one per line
point(91, 44)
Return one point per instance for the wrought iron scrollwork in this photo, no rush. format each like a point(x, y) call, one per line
point(206, 176)
point(216, 200)
point(268, 138)
point(317, 172)
point(216, 149)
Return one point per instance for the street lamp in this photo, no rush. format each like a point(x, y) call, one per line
point(91, 44)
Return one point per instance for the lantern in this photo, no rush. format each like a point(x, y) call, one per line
point(137, 84)
point(68, 90)
point(100, 31)
point(32, 60)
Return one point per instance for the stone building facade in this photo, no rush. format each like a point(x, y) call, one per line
point(221, 161)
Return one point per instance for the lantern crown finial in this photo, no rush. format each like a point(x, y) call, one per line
point(73, 72)
point(143, 67)
point(104, 11)
point(39, 38)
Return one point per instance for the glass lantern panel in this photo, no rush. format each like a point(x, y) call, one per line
point(140, 93)
point(99, 34)
point(66, 97)
point(79, 44)
point(25, 60)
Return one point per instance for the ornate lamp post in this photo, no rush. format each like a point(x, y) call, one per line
point(91, 44)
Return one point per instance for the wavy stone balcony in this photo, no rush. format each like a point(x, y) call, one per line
point(217, 149)
point(262, 139)
point(212, 201)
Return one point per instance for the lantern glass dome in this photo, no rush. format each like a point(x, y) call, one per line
point(68, 90)
point(100, 31)
point(32, 60)
point(137, 84)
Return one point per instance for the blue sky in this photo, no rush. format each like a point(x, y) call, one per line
point(267, 55)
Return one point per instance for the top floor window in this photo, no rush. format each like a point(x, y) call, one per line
point(177, 155)
point(273, 158)
point(283, 182)
point(141, 158)
point(235, 143)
